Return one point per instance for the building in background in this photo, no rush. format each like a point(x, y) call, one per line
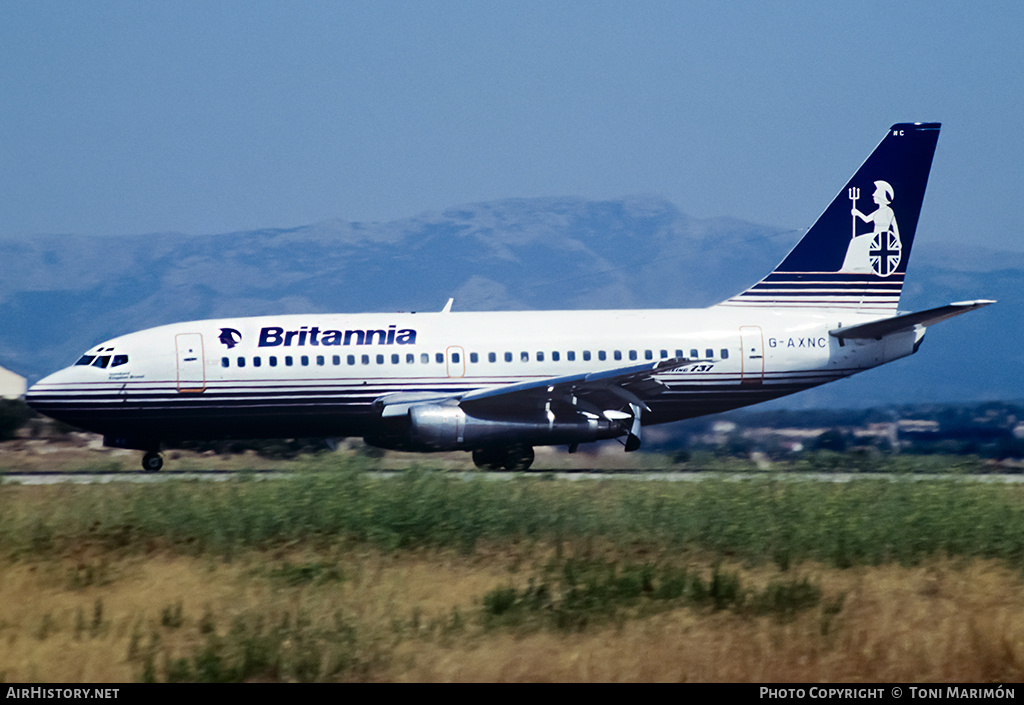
point(12, 385)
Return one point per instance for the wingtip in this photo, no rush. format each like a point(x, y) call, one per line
point(977, 303)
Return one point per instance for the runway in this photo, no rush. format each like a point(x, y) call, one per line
point(139, 476)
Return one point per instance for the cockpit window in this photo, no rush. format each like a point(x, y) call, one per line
point(119, 360)
point(85, 360)
point(101, 361)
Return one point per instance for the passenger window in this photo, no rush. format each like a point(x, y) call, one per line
point(224, 362)
point(473, 357)
point(256, 362)
point(586, 355)
point(693, 353)
point(554, 356)
point(273, 361)
point(710, 352)
point(492, 357)
point(664, 354)
point(508, 357)
point(632, 354)
point(439, 357)
point(725, 354)
point(241, 362)
point(524, 356)
point(410, 359)
point(320, 360)
point(456, 357)
point(287, 360)
point(85, 360)
point(601, 355)
point(618, 355)
point(425, 358)
point(351, 359)
point(336, 359)
point(648, 354)
point(365, 359)
point(679, 353)
point(571, 356)
point(380, 359)
point(395, 359)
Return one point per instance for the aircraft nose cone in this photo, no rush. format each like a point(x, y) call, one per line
point(32, 395)
point(42, 395)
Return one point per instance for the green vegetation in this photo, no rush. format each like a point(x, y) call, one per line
point(14, 413)
point(573, 594)
point(290, 646)
point(761, 519)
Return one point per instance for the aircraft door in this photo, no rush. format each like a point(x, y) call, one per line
point(752, 359)
point(191, 365)
point(455, 358)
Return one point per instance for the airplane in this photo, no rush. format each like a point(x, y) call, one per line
point(498, 384)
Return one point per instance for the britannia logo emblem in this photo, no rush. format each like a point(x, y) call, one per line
point(879, 251)
point(230, 337)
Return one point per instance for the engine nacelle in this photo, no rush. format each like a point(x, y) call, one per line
point(441, 427)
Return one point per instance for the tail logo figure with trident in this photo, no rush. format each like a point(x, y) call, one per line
point(880, 251)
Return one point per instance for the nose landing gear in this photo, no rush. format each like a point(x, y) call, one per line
point(152, 461)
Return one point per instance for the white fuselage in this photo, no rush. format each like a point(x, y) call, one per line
point(319, 374)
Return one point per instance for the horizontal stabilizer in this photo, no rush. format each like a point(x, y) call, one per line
point(878, 329)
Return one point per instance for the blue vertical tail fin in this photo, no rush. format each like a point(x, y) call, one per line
point(856, 253)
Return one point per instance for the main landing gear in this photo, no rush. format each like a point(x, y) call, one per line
point(152, 461)
point(514, 459)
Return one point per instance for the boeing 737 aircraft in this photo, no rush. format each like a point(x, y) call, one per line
point(498, 384)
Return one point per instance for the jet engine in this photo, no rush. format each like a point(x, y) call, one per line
point(440, 427)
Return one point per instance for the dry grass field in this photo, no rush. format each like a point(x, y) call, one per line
point(336, 574)
point(418, 616)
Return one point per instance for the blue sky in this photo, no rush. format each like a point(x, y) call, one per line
point(217, 116)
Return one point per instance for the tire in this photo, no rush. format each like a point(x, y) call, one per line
point(518, 458)
point(152, 462)
point(489, 459)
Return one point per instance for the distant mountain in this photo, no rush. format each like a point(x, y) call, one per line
point(59, 294)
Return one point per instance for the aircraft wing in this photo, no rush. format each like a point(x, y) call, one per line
point(597, 392)
point(878, 329)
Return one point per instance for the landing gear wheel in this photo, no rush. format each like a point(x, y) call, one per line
point(519, 458)
point(514, 459)
point(152, 461)
point(489, 458)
